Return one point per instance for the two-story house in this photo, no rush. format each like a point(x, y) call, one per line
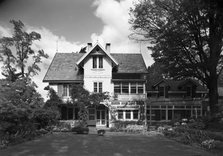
point(122, 75)
point(170, 99)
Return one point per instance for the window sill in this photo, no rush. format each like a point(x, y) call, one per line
point(98, 69)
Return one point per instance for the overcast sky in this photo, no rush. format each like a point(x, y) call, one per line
point(72, 24)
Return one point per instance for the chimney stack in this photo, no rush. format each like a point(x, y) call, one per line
point(89, 45)
point(108, 47)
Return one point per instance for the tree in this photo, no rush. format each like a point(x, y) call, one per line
point(83, 99)
point(15, 53)
point(185, 36)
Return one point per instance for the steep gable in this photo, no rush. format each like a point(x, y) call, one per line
point(94, 50)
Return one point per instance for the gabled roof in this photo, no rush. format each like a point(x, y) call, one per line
point(130, 63)
point(97, 45)
point(176, 84)
point(63, 68)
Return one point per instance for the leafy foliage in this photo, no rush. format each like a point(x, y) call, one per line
point(83, 99)
point(185, 36)
point(15, 53)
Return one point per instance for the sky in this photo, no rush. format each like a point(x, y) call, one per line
point(68, 25)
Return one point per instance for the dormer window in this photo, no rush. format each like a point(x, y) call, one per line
point(189, 91)
point(97, 62)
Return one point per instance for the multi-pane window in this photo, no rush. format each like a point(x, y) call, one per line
point(133, 87)
point(140, 88)
point(97, 62)
point(98, 87)
point(161, 91)
point(94, 62)
point(117, 87)
point(65, 88)
point(189, 91)
point(135, 114)
point(91, 112)
point(127, 114)
point(100, 62)
point(120, 114)
point(125, 87)
point(95, 87)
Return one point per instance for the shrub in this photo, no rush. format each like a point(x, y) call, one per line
point(46, 117)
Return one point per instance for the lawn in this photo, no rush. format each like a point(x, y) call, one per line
point(69, 144)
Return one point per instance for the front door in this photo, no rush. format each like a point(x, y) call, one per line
point(101, 118)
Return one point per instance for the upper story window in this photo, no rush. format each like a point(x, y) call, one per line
point(161, 91)
point(66, 90)
point(140, 88)
point(98, 87)
point(97, 62)
point(94, 62)
point(129, 87)
point(100, 61)
point(117, 87)
point(125, 87)
point(189, 91)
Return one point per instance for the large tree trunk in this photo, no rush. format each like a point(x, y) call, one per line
point(213, 93)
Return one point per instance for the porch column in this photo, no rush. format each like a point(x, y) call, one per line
point(166, 113)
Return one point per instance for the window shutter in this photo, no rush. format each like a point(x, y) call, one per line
point(60, 90)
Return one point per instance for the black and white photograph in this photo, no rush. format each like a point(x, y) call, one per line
point(111, 78)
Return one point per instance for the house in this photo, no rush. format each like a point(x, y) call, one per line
point(170, 99)
point(122, 75)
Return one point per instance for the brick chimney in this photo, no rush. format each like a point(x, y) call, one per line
point(89, 45)
point(108, 47)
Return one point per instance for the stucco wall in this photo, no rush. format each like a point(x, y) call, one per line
point(103, 75)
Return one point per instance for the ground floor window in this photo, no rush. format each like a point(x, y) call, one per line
point(168, 113)
point(128, 114)
point(69, 113)
point(91, 112)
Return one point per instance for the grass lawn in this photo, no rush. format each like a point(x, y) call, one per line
point(69, 144)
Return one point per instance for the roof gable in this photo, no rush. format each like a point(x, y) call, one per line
point(93, 50)
point(177, 84)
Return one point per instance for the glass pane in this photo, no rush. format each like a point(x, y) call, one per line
point(128, 114)
point(98, 115)
point(102, 114)
point(100, 87)
point(120, 114)
point(91, 117)
point(64, 90)
point(125, 87)
point(135, 114)
point(161, 91)
point(100, 62)
point(140, 88)
point(70, 113)
point(133, 87)
point(95, 87)
point(94, 62)
point(117, 87)
point(102, 122)
point(91, 111)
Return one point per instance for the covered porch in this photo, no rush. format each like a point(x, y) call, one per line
point(98, 116)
